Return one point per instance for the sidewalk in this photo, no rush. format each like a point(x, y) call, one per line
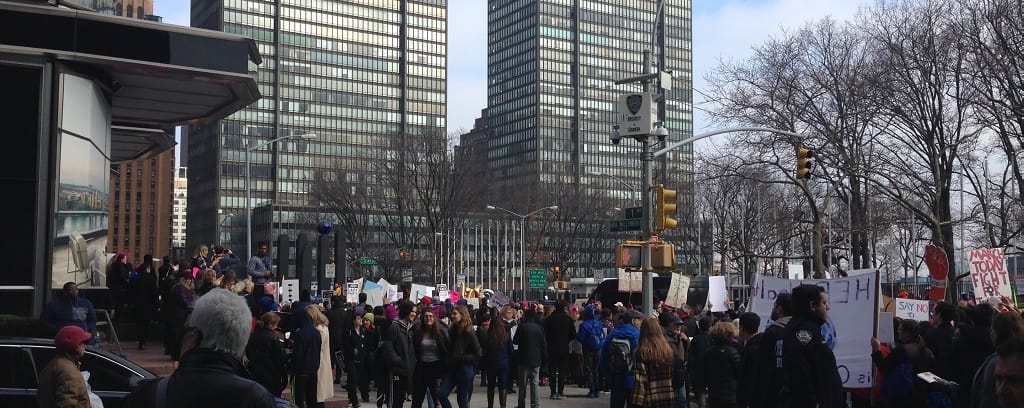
point(154, 360)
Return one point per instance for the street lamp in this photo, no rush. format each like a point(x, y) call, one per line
point(248, 187)
point(632, 189)
point(522, 238)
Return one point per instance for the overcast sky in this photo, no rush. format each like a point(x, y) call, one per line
point(722, 30)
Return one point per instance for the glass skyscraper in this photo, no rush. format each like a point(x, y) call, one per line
point(551, 96)
point(364, 76)
point(552, 67)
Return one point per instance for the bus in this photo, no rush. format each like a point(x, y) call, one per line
point(607, 292)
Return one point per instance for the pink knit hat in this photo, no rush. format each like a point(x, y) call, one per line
point(390, 312)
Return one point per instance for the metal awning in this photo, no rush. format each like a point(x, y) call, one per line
point(161, 75)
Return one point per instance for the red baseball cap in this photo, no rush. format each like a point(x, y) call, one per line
point(70, 337)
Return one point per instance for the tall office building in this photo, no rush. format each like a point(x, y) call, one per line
point(365, 77)
point(552, 67)
point(552, 95)
point(140, 207)
point(133, 8)
point(178, 213)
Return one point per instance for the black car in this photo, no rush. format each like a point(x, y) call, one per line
point(21, 359)
point(607, 292)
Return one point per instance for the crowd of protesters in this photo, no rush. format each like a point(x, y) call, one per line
point(425, 350)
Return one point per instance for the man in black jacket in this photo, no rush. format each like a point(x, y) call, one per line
point(769, 360)
point(811, 375)
point(340, 321)
point(749, 324)
point(398, 356)
point(533, 350)
point(210, 374)
point(559, 331)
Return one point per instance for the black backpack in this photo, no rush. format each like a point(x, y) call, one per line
point(620, 356)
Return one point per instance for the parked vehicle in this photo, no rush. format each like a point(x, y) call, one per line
point(607, 292)
point(112, 378)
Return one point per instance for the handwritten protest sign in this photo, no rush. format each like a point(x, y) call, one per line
point(885, 328)
point(630, 281)
point(850, 323)
point(988, 273)
point(352, 294)
point(677, 290)
point(910, 309)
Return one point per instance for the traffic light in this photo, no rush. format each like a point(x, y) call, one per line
point(665, 208)
point(403, 255)
point(662, 256)
point(558, 271)
point(627, 255)
point(803, 162)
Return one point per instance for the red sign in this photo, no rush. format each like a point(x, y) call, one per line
point(937, 263)
point(937, 293)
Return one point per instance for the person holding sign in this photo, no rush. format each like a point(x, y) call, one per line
point(910, 356)
point(810, 368)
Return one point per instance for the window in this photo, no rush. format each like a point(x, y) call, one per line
point(131, 11)
point(17, 371)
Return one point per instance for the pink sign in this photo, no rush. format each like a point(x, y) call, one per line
point(988, 273)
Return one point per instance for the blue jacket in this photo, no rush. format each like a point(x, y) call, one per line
point(625, 331)
point(63, 311)
point(588, 328)
point(305, 339)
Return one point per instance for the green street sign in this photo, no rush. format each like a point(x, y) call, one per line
point(367, 261)
point(625, 225)
point(538, 279)
point(634, 213)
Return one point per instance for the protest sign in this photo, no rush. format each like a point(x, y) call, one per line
point(677, 290)
point(352, 294)
point(474, 302)
point(370, 285)
point(850, 324)
point(630, 281)
point(988, 273)
point(375, 297)
point(289, 291)
point(418, 291)
point(885, 328)
point(393, 293)
point(497, 300)
point(718, 296)
point(911, 309)
point(442, 292)
point(383, 282)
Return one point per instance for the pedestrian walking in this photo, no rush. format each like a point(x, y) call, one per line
point(397, 356)
point(464, 354)
point(354, 351)
point(144, 293)
point(324, 376)
point(61, 383)
point(617, 357)
point(652, 385)
point(591, 335)
point(722, 366)
point(532, 353)
point(559, 330)
point(751, 349)
point(769, 373)
point(809, 365)
point(305, 359)
point(265, 354)
point(179, 307)
point(430, 341)
point(497, 354)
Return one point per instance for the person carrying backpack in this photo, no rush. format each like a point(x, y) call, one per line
point(617, 354)
point(911, 356)
point(591, 335)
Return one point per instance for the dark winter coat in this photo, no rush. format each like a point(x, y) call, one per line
point(748, 369)
point(396, 352)
point(205, 378)
point(722, 374)
point(145, 296)
point(268, 363)
point(559, 330)
point(533, 347)
point(464, 349)
point(306, 341)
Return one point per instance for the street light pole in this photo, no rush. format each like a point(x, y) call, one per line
point(248, 187)
point(522, 238)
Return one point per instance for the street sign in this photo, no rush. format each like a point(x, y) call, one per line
point(367, 261)
point(538, 279)
point(329, 271)
point(632, 224)
point(407, 275)
point(634, 213)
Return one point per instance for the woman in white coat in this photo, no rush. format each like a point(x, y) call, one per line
point(324, 377)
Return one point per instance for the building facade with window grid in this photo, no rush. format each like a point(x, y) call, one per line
point(552, 67)
point(140, 207)
point(364, 76)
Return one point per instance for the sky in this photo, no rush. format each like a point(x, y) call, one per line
point(723, 30)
